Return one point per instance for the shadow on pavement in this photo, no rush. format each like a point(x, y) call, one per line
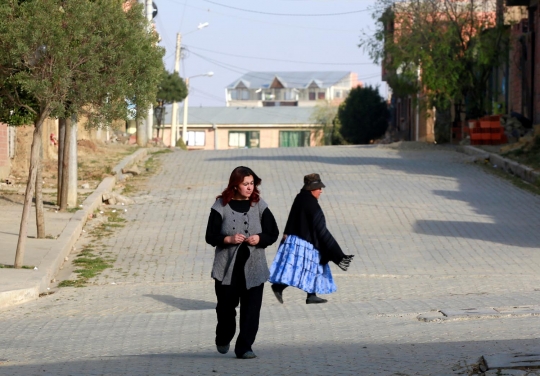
point(503, 223)
point(183, 304)
point(324, 358)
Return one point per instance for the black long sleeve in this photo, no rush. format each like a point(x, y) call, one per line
point(270, 231)
point(268, 236)
point(213, 230)
point(329, 247)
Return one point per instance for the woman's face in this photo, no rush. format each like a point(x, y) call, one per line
point(245, 189)
point(316, 193)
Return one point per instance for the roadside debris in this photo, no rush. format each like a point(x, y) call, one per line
point(112, 198)
point(133, 170)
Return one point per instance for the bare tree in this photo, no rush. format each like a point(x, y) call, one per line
point(60, 58)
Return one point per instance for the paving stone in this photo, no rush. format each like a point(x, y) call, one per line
point(430, 232)
point(516, 360)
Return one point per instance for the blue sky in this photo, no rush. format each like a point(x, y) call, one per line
point(250, 39)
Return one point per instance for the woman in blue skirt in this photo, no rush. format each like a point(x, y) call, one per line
point(307, 247)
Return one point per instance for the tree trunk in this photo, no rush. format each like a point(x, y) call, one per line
point(73, 165)
point(443, 125)
point(40, 220)
point(34, 164)
point(65, 166)
point(142, 137)
point(61, 143)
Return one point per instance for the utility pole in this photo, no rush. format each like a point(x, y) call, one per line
point(174, 132)
point(175, 104)
point(215, 127)
point(184, 123)
point(144, 128)
point(142, 136)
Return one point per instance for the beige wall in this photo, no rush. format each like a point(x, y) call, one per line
point(102, 134)
point(268, 137)
point(5, 160)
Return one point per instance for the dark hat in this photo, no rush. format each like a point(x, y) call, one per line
point(312, 182)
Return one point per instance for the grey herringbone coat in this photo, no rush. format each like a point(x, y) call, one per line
point(256, 268)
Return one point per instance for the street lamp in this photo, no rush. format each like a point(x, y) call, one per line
point(184, 124)
point(177, 70)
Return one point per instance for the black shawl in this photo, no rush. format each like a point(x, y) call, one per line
point(306, 220)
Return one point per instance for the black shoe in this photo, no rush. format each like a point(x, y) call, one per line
point(248, 355)
point(278, 293)
point(314, 299)
point(223, 349)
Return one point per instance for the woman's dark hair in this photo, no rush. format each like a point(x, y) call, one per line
point(237, 177)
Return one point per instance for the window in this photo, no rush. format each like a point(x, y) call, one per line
point(338, 94)
point(268, 96)
point(196, 138)
point(289, 139)
point(240, 94)
point(247, 139)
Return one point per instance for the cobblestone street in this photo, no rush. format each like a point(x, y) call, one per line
point(430, 232)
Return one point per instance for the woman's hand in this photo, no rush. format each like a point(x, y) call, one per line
point(235, 239)
point(253, 240)
point(345, 262)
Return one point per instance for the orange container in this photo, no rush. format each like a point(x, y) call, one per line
point(475, 136)
point(473, 123)
point(485, 123)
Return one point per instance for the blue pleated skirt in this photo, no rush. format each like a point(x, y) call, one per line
point(297, 264)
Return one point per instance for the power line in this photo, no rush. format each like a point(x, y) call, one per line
point(209, 95)
point(234, 68)
point(272, 59)
point(242, 71)
point(288, 14)
point(263, 21)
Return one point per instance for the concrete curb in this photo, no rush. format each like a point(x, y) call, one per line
point(128, 161)
point(524, 172)
point(63, 245)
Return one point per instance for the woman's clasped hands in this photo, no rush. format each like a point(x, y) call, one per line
point(239, 238)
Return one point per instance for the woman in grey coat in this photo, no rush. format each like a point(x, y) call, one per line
point(240, 226)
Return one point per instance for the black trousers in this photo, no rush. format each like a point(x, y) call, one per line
point(228, 298)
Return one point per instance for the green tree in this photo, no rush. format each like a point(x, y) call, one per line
point(444, 50)
point(363, 116)
point(171, 88)
point(59, 58)
point(324, 114)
